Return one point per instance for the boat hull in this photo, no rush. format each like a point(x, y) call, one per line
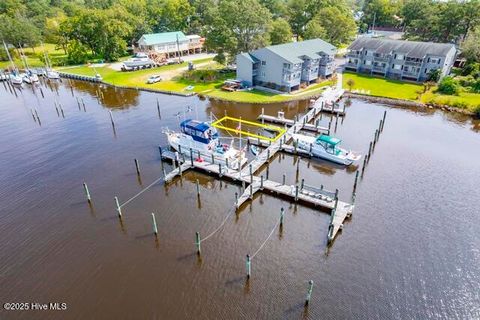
point(182, 143)
point(344, 157)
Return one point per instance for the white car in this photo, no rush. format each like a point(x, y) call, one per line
point(154, 79)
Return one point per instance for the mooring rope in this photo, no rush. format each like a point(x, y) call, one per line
point(142, 191)
point(232, 210)
point(264, 242)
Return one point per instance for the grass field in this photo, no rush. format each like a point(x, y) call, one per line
point(139, 78)
point(33, 56)
point(410, 91)
point(383, 87)
point(258, 96)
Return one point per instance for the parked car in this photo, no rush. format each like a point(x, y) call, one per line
point(154, 79)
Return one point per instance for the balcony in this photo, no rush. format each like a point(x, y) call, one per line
point(382, 59)
point(378, 69)
point(412, 63)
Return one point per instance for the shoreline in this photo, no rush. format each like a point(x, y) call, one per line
point(371, 98)
point(408, 103)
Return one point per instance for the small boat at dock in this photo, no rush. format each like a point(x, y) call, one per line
point(204, 141)
point(326, 147)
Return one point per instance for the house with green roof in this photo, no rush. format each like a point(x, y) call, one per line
point(171, 43)
point(286, 66)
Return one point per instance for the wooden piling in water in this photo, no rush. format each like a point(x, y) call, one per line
point(197, 242)
point(87, 193)
point(154, 224)
point(356, 180)
point(309, 292)
point(119, 209)
point(249, 266)
point(282, 211)
point(111, 117)
point(137, 167)
point(198, 188)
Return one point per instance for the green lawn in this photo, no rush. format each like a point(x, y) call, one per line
point(33, 56)
point(139, 78)
point(410, 91)
point(258, 96)
point(383, 87)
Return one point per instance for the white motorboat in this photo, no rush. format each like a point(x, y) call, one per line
point(326, 147)
point(53, 74)
point(204, 141)
point(140, 60)
point(16, 79)
point(29, 77)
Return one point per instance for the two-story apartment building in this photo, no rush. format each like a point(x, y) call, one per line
point(399, 59)
point(171, 43)
point(284, 67)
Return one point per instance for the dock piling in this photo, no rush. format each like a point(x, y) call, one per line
point(283, 179)
point(248, 265)
point(356, 180)
point(87, 193)
point(111, 117)
point(198, 188)
point(197, 241)
point(119, 209)
point(282, 212)
point(261, 182)
point(137, 167)
point(309, 292)
point(154, 225)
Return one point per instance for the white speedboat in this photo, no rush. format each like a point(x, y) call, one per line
point(326, 147)
point(30, 77)
point(16, 79)
point(53, 74)
point(204, 141)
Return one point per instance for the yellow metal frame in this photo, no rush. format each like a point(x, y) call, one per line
point(281, 131)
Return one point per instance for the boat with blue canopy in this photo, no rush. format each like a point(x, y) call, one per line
point(204, 141)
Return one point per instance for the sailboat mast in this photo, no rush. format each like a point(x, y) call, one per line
point(9, 56)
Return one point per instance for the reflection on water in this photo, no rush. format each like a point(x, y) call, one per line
point(409, 252)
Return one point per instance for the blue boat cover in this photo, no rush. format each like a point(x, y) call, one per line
point(195, 125)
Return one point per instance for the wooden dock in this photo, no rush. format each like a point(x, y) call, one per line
point(317, 197)
point(290, 122)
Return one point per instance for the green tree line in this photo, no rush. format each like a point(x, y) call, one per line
point(105, 28)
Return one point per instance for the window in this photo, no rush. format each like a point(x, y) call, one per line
point(286, 65)
point(264, 63)
point(263, 74)
point(439, 60)
point(397, 67)
point(368, 62)
point(425, 70)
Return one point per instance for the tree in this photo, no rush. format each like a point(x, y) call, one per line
point(278, 8)
point(314, 30)
point(170, 15)
point(448, 85)
point(340, 28)
point(102, 31)
point(434, 75)
point(350, 83)
point(471, 46)
point(280, 31)
point(229, 32)
point(19, 31)
point(299, 17)
point(384, 12)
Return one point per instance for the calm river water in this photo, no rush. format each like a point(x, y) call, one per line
point(410, 251)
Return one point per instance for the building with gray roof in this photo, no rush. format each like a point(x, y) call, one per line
point(400, 59)
point(284, 67)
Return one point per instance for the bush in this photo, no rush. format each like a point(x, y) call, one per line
point(472, 69)
point(77, 53)
point(448, 86)
point(476, 86)
point(434, 75)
